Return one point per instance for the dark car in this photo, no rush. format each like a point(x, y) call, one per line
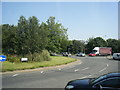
point(106, 82)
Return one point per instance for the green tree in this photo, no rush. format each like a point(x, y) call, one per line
point(115, 44)
point(95, 42)
point(9, 39)
point(22, 36)
point(78, 46)
point(57, 33)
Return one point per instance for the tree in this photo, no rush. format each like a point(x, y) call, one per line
point(114, 44)
point(22, 33)
point(95, 42)
point(78, 46)
point(9, 39)
point(57, 33)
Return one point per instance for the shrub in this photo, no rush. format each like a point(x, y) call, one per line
point(38, 57)
point(13, 58)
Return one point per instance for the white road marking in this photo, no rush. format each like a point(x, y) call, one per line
point(107, 65)
point(76, 70)
point(15, 75)
point(41, 72)
point(59, 68)
point(85, 76)
point(103, 69)
point(85, 68)
point(80, 62)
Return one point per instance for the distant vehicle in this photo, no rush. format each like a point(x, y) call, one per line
point(53, 54)
point(66, 54)
point(101, 51)
point(92, 54)
point(116, 56)
point(80, 54)
point(106, 82)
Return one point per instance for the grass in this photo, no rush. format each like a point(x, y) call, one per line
point(55, 60)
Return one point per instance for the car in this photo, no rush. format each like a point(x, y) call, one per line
point(92, 54)
point(80, 54)
point(53, 54)
point(109, 81)
point(116, 56)
point(66, 54)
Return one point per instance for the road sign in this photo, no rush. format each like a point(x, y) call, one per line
point(2, 58)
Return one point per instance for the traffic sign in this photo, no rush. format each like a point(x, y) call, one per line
point(2, 58)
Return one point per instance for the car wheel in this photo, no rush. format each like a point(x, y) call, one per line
point(113, 58)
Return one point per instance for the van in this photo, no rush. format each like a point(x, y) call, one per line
point(116, 56)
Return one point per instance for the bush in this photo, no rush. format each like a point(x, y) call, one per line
point(38, 57)
point(13, 58)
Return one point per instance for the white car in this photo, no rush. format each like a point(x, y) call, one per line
point(116, 56)
point(66, 54)
point(80, 54)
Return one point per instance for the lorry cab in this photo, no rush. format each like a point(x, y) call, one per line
point(94, 52)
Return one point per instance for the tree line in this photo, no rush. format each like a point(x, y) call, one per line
point(30, 36)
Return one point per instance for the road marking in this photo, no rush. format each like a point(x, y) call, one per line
point(85, 68)
point(107, 65)
point(80, 62)
point(59, 68)
point(41, 72)
point(103, 69)
point(76, 70)
point(15, 75)
point(85, 76)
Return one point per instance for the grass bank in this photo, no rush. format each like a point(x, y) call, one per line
point(55, 60)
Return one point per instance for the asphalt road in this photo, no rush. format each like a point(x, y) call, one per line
point(86, 67)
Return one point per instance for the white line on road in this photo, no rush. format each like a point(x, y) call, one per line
point(15, 75)
point(41, 72)
point(107, 65)
point(103, 69)
point(85, 68)
point(76, 70)
point(80, 62)
point(59, 69)
point(85, 76)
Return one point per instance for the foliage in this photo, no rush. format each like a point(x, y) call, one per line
point(78, 46)
point(115, 44)
point(100, 42)
point(31, 37)
point(8, 66)
point(38, 57)
point(13, 58)
point(56, 34)
point(9, 39)
point(95, 42)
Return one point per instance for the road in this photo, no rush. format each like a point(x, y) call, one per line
point(86, 67)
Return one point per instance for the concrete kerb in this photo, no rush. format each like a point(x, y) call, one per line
point(44, 68)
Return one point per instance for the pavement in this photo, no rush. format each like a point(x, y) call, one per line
point(57, 77)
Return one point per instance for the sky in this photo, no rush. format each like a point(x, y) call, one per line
point(83, 19)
